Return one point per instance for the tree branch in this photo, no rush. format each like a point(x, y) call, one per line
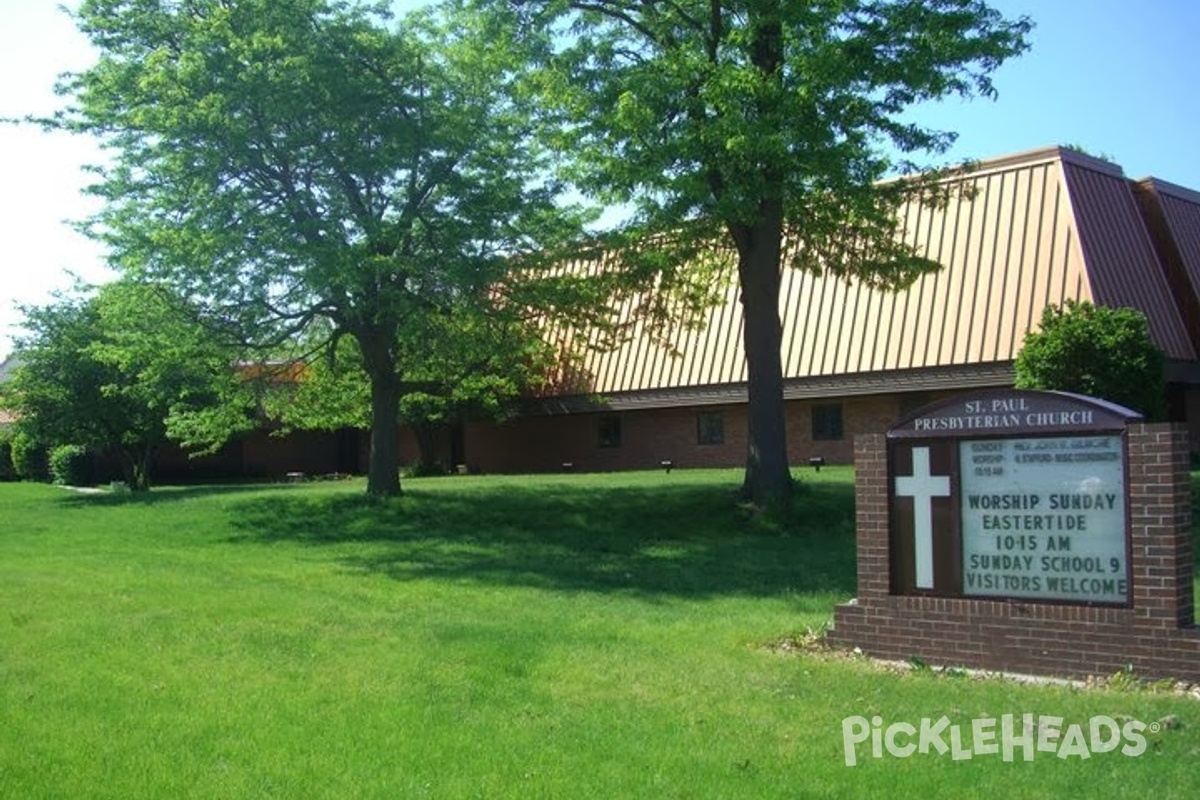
point(620, 15)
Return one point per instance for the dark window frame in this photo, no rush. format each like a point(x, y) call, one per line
point(705, 433)
point(828, 422)
point(608, 431)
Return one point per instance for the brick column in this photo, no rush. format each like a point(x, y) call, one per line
point(1160, 525)
point(871, 515)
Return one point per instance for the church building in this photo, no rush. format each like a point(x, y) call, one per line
point(1028, 230)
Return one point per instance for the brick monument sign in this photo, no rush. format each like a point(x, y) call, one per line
point(1024, 531)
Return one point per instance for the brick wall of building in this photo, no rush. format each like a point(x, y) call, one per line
point(259, 454)
point(545, 443)
point(1155, 635)
point(648, 437)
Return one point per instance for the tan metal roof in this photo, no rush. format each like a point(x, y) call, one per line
point(1032, 229)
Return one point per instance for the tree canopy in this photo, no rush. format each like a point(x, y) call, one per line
point(108, 371)
point(303, 165)
point(756, 123)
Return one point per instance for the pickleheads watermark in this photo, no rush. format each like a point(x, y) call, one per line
point(1010, 736)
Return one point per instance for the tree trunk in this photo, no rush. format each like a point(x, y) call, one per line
point(768, 479)
point(383, 465)
point(135, 466)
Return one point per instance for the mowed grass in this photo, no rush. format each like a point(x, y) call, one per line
point(586, 636)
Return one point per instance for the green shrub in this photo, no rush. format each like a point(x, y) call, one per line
point(422, 469)
point(1097, 351)
point(7, 471)
point(29, 458)
point(70, 465)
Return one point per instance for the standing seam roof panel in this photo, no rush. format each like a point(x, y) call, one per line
point(966, 231)
point(1172, 216)
point(991, 291)
point(1014, 256)
point(978, 296)
point(1122, 265)
point(1183, 218)
point(919, 330)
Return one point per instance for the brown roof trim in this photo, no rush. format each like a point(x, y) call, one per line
point(1168, 188)
point(955, 379)
point(1094, 163)
point(856, 385)
point(1024, 159)
point(895, 381)
point(1045, 155)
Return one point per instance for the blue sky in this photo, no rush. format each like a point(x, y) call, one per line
point(1116, 77)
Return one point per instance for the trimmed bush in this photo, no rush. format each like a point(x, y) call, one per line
point(1097, 351)
point(7, 471)
point(70, 465)
point(29, 458)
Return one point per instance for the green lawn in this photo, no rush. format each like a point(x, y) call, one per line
point(561, 637)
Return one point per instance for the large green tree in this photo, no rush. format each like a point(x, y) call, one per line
point(301, 163)
point(765, 126)
point(108, 370)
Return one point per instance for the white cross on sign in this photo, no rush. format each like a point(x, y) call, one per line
point(922, 487)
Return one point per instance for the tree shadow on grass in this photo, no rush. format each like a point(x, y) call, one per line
point(686, 540)
point(161, 495)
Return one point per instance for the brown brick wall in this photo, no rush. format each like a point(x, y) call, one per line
point(541, 444)
point(648, 437)
point(1155, 636)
